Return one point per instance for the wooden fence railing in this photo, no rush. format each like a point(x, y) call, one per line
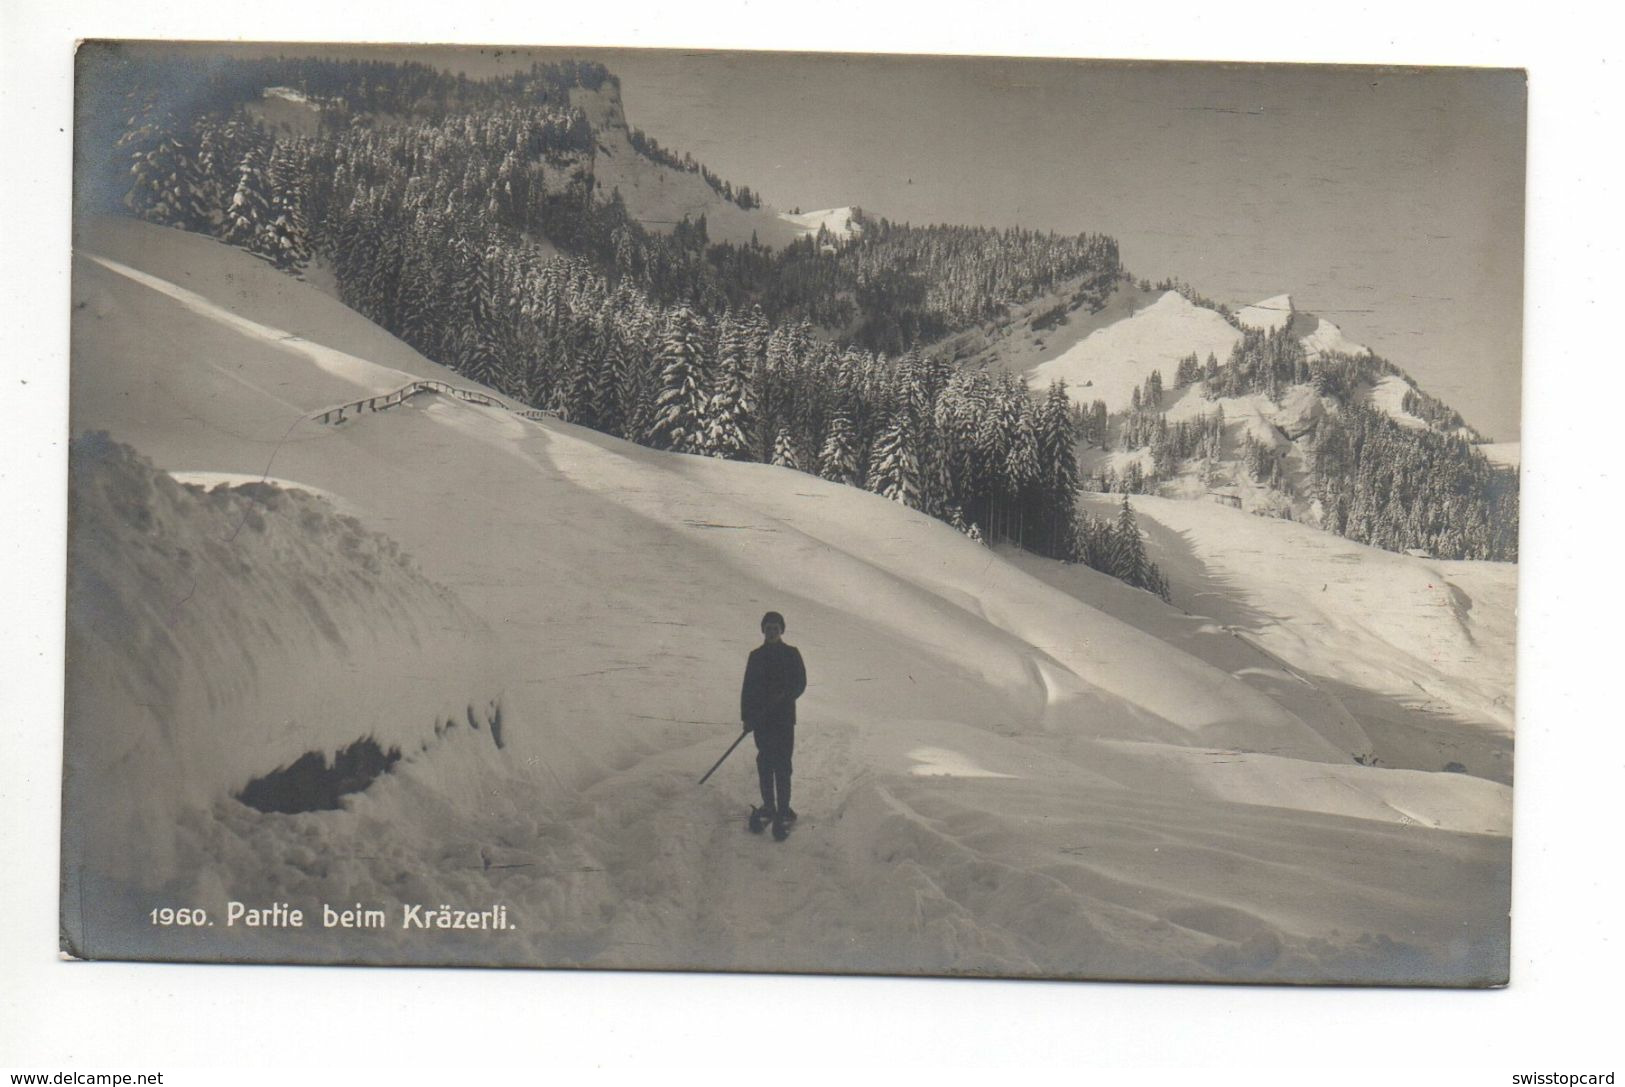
point(383, 402)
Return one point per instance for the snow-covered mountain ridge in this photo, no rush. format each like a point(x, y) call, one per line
point(1150, 360)
point(1114, 361)
point(836, 221)
point(659, 196)
point(1005, 766)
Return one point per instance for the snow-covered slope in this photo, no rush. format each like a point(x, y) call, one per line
point(1113, 361)
point(1388, 396)
point(1392, 635)
point(217, 637)
point(660, 196)
point(996, 772)
point(838, 221)
point(1270, 314)
point(1118, 355)
point(1320, 337)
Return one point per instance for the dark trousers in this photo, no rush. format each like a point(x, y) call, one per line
point(774, 746)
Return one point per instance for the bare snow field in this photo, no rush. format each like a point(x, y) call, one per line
point(1270, 314)
point(1412, 647)
point(1111, 362)
point(1005, 765)
point(838, 221)
point(1388, 396)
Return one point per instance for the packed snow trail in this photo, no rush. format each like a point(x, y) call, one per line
point(994, 776)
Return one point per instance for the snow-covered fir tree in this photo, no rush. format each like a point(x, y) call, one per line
point(680, 407)
point(1127, 560)
point(285, 238)
point(166, 183)
point(600, 393)
point(838, 460)
point(785, 452)
point(894, 469)
point(476, 347)
point(1058, 464)
point(731, 409)
point(246, 216)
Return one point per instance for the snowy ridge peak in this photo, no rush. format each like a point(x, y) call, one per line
point(838, 221)
point(1326, 338)
point(1270, 314)
point(1112, 362)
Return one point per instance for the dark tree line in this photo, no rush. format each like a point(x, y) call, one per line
point(1264, 464)
point(512, 152)
point(893, 286)
point(432, 229)
point(1116, 547)
point(1436, 413)
point(1190, 294)
point(1269, 362)
point(374, 90)
point(1171, 444)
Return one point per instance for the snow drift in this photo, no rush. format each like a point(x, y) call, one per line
point(217, 637)
point(996, 772)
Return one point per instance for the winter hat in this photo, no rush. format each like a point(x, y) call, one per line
point(773, 617)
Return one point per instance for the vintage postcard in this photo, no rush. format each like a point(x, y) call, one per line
point(793, 512)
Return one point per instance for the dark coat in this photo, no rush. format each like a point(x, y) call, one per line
point(774, 679)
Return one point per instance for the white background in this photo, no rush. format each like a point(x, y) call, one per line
point(338, 1025)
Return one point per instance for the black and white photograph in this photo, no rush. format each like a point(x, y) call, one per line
point(563, 543)
point(793, 513)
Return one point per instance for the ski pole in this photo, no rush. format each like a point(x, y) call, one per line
point(725, 754)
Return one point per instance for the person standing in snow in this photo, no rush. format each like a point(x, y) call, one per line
point(774, 678)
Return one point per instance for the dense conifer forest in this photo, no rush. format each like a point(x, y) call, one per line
point(463, 216)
